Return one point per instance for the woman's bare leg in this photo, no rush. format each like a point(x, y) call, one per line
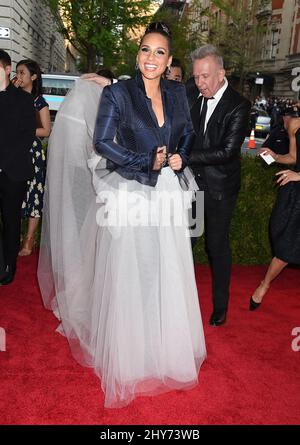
point(276, 266)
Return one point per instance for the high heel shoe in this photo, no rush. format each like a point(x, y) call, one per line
point(253, 305)
point(27, 246)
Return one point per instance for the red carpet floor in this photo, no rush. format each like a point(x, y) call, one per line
point(251, 375)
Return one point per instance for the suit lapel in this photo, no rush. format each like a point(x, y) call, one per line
point(195, 113)
point(168, 107)
point(168, 104)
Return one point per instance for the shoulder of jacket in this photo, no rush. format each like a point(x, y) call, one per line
point(237, 99)
point(172, 85)
point(19, 92)
point(121, 89)
point(192, 94)
point(237, 95)
point(24, 95)
point(123, 85)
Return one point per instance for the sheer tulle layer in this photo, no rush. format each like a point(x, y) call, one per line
point(126, 296)
point(134, 314)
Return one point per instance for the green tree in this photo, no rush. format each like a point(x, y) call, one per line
point(99, 29)
point(179, 26)
point(186, 35)
point(235, 35)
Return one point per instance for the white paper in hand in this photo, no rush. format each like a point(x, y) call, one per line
point(267, 157)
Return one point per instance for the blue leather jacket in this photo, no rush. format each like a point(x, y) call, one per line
point(127, 132)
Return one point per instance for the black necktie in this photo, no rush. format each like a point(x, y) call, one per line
point(203, 116)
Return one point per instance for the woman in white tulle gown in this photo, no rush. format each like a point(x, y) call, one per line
point(119, 250)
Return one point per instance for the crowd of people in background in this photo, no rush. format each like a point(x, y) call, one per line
point(277, 107)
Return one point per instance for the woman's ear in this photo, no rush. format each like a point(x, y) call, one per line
point(33, 77)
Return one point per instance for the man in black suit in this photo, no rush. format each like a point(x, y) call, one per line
point(17, 131)
point(220, 117)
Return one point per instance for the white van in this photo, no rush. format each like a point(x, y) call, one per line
point(55, 87)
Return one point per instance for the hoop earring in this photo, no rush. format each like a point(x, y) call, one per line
point(168, 71)
point(136, 66)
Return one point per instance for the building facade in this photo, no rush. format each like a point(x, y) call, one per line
point(28, 30)
point(274, 56)
point(279, 52)
point(177, 7)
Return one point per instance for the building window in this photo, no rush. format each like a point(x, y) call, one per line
point(264, 51)
point(274, 43)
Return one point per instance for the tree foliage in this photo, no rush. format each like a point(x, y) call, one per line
point(236, 36)
point(185, 37)
point(99, 29)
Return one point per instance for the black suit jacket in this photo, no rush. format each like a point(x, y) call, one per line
point(127, 132)
point(215, 158)
point(17, 132)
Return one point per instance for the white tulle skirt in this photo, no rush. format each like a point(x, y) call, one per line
point(130, 308)
point(124, 289)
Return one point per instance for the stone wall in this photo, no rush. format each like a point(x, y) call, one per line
point(33, 34)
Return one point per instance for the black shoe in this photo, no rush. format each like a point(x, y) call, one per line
point(253, 305)
point(9, 275)
point(218, 317)
point(261, 290)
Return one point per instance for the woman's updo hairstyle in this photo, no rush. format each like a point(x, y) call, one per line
point(162, 29)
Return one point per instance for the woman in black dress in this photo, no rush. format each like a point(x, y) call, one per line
point(29, 78)
point(285, 218)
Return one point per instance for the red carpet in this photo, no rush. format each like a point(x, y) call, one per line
point(251, 375)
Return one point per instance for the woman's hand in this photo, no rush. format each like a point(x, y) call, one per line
point(160, 157)
point(93, 77)
point(175, 162)
point(16, 82)
point(268, 151)
point(285, 176)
